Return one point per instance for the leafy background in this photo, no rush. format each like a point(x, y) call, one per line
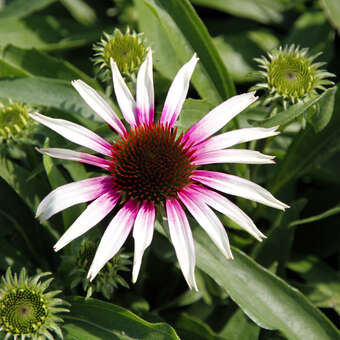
point(286, 287)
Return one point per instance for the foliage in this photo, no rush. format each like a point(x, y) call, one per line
point(288, 286)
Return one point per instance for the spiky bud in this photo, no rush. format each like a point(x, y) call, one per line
point(107, 280)
point(290, 75)
point(127, 50)
point(14, 120)
point(26, 309)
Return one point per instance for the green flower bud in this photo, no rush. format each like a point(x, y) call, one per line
point(289, 75)
point(127, 50)
point(14, 120)
point(108, 278)
point(26, 310)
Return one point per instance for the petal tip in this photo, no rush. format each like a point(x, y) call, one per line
point(56, 248)
point(253, 94)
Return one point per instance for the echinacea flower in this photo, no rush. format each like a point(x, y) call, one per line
point(290, 75)
point(127, 49)
point(27, 310)
point(150, 166)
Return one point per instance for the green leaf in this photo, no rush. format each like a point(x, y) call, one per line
point(46, 33)
point(324, 110)
point(265, 298)
point(9, 71)
point(332, 10)
point(22, 230)
point(277, 246)
point(264, 11)
point(94, 319)
point(239, 327)
point(193, 110)
point(80, 11)
point(239, 49)
point(175, 32)
point(190, 327)
point(30, 190)
point(308, 150)
point(312, 30)
point(56, 179)
point(327, 213)
point(293, 112)
point(22, 8)
point(28, 63)
point(322, 282)
point(54, 93)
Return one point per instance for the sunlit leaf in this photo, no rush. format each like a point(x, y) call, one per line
point(94, 319)
point(81, 11)
point(307, 150)
point(28, 63)
point(48, 92)
point(240, 327)
point(238, 51)
point(293, 112)
point(332, 10)
point(312, 30)
point(264, 11)
point(46, 33)
point(265, 298)
point(22, 8)
point(175, 33)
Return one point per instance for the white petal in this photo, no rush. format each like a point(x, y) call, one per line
point(226, 207)
point(238, 186)
point(114, 237)
point(234, 137)
point(233, 156)
point(177, 93)
point(92, 215)
point(124, 97)
point(142, 233)
point(77, 156)
point(207, 219)
point(73, 193)
point(75, 133)
point(145, 92)
point(217, 118)
point(182, 240)
point(99, 105)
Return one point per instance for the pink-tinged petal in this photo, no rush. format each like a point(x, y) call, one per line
point(81, 157)
point(232, 156)
point(73, 193)
point(177, 93)
point(234, 137)
point(207, 219)
point(217, 118)
point(114, 237)
point(145, 92)
point(142, 233)
point(75, 133)
point(92, 215)
point(99, 106)
point(237, 186)
point(182, 240)
point(124, 97)
point(226, 207)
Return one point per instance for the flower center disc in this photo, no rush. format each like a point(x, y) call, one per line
point(291, 76)
point(22, 311)
point(151, 164)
